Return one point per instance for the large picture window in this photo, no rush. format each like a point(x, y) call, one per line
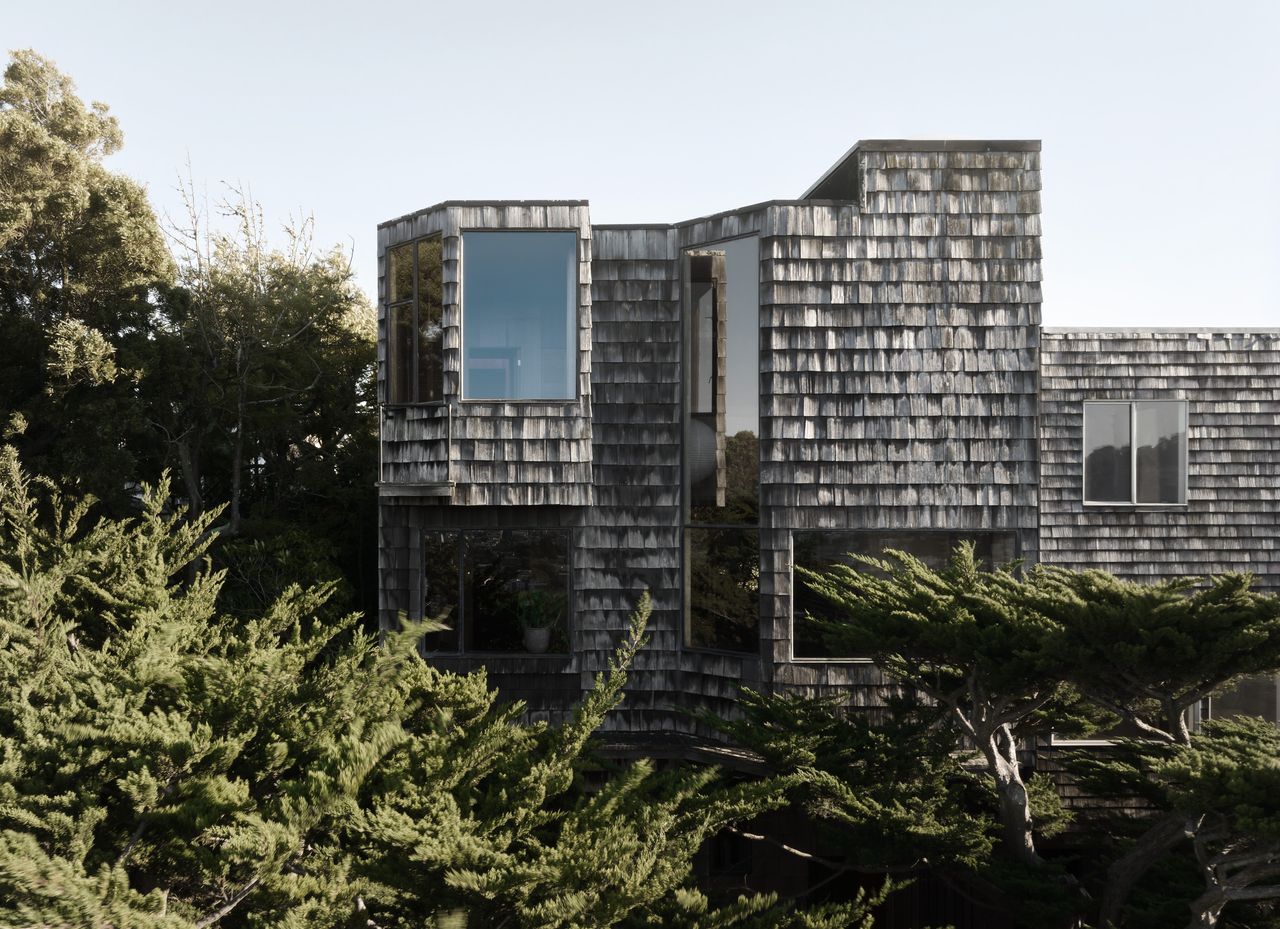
point(1135, 452)
point(415, 322)
point(519, 315)
point(819, 550)
point(498, 587)
point(721, 448)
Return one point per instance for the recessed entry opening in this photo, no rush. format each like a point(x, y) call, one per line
point(721, 303)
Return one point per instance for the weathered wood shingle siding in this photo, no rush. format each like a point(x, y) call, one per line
point(632, 542)
point(899, 356)
point(494, 452)
point(1231, 382)
point(899, 350)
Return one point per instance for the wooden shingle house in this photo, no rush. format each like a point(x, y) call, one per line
point(575, 413)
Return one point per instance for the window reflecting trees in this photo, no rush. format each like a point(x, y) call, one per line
point(415, 322)
point(721, 446)
point(1156, 473)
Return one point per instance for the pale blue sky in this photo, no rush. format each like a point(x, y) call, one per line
point(1160, 121)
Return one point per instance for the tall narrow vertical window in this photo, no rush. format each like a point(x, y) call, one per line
point(721, 448)
point(1135, 452)
point(415, 322)
point(519, 315)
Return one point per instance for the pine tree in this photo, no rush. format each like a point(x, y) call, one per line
point(479, 815)
point(165, 765)
point(978, 645)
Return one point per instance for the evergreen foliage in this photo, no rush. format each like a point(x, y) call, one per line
point(979, 645)
point(166, 765)
point(1150, 652)
point(1003, 655)
point(246, 369)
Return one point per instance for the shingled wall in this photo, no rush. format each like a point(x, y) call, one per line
point(1231, 382)
point(899, 348)
point(492, 452)
point(632, 539)
point(899, 364)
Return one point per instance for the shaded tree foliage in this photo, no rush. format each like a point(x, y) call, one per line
point(247, 369)
point(1001, 656)
point(165, 765)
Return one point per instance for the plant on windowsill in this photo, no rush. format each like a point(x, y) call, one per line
point(538, 612)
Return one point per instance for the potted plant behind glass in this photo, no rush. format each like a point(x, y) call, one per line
point(538, 613)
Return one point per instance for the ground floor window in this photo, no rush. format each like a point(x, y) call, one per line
point(818, 550)
point(499, 590)
point(722, 587)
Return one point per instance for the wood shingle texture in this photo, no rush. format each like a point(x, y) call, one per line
point(1231, 520)
point(899, 362)
point(488, 452)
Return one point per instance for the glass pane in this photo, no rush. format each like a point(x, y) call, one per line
point(516, 581)
point(400, 274)
point(818, 550)
point(399, 353)
point(724, 589)
point(1254, 696)
point(1107, 453)
point(702, 369)
point(430, 322)
point(1162, 436)
point(722, 452)
point(519, 315)
point(440, 581)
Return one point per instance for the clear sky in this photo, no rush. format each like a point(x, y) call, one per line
point(1160, 121)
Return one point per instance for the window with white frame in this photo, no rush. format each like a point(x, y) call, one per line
point(1135, 452)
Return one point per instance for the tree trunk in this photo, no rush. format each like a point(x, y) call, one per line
point(1001, 751)
point(1126, 871)
point(1206, 909)
point(237, 462)
point(189, 462)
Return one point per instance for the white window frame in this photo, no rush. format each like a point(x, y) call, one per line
point(1132, 502)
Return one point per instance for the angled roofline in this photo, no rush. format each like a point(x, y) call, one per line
point(848, 162)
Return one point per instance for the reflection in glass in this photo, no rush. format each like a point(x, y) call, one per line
point(721, 448)
point(430, 321)
point(440, 587)
point(1107, 453)
point(705, 364)
point(400, 353)
point(818, 550)
point(515, 578)
point(1258, 695)
point(1161, 458)
point(722, 458)
point(400, 274)
point(723, 580)
point(519, 315)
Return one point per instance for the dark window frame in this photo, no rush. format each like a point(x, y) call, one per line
point(574, 351)
point(687, 523)
point(458, 617)
point(415, 335)
point(1133, 503)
